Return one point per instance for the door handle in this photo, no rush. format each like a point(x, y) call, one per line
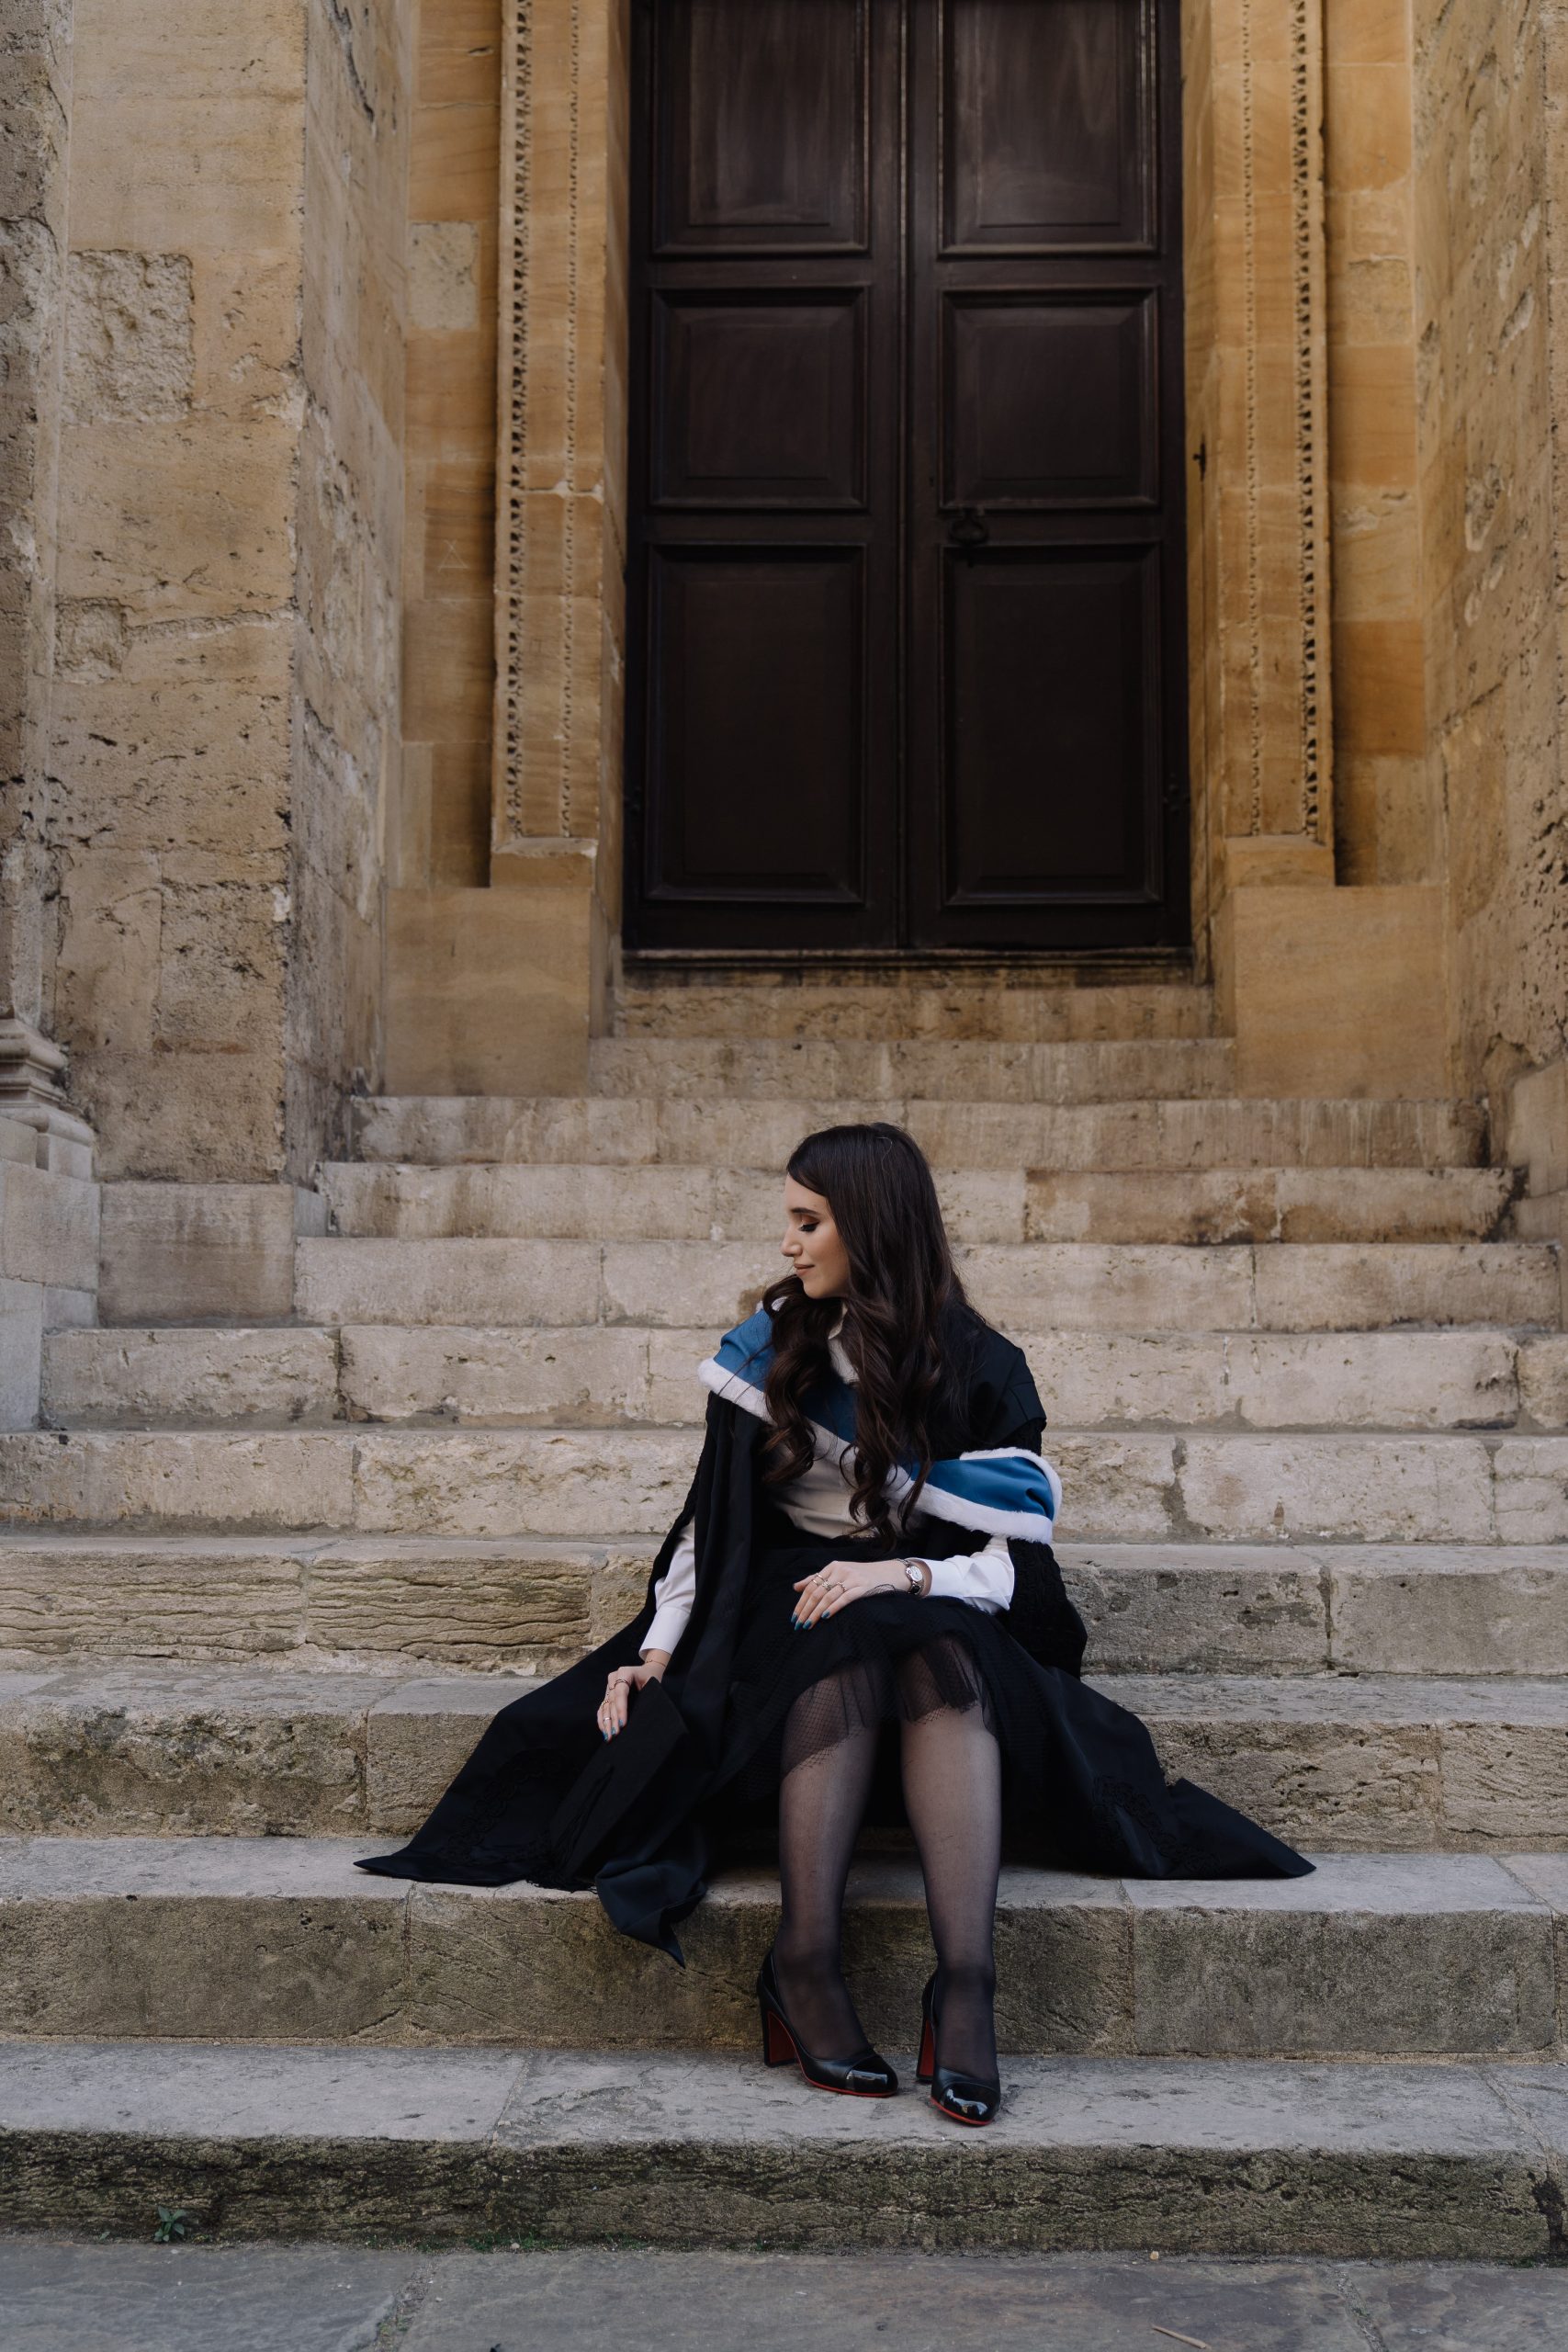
point(969, 528)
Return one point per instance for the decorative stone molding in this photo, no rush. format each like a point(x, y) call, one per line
point(1257, 382)
point(32, 1073)
point(560, 470)
point(1258, 502)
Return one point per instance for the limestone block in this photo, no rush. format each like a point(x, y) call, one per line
point(517, 1482)
point(127, 1936)
point(182, 1252)
point(682, 1282)
point(1210, 1206)
point(421, 1735)
point(151, 1751)
point(68, 1310)
point(49, 1228)
point(21, 1342)
point(177, 520)
point(1543, 1380)
point(109, 951)
point(161, 1374)
point(676, 1398)
point(1180, 1609)
point(246, 333)
point(451, 1604)
point(488, 990)
point(557, 1378)
point(1429, 1609)
point(1101, 1378)
point(1383, 1954)
point(186, 1117)
point(1070, 1285)
point(587, 1203)
point(1303, 968)
point(185, 1598)
point(445, 1130)
point(1115, 1488)
point(465, 1282)
point(1546, 1876)
point(1390, 1490)
point(218, 171)
point(1391, 1204)
point(1374, 1379)
point(1531, 1475)
point(152, 766)
point(177, 1478)
point(1538, 1126)
point(129, 337)
point(1347, 1784)
point(443, 291)
point(1369, 1285)
point(222, 947)
point(188, 49)
point(1505, 1777)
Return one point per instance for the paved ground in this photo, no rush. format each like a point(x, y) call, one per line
point(59, 2297)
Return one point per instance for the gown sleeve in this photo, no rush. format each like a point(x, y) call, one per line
point(673, 1595)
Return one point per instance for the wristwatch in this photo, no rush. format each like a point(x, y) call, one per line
point(916, 1577)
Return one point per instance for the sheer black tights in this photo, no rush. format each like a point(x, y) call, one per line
point(951, 1772)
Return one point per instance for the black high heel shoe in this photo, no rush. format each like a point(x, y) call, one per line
point(865, 2076)
point(967, 2099)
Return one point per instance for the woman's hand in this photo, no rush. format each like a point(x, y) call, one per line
point(841, 1581)
point(615, 1705)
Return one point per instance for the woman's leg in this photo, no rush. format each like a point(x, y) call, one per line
point(822, 1801)
point(953, 1794)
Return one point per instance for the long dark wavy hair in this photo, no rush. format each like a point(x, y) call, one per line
point(904, 1312)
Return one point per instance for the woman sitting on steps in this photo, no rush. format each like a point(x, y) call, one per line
point(863, 1566)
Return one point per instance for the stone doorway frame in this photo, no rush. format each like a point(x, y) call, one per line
point(1257, 497)
point(1262, 760)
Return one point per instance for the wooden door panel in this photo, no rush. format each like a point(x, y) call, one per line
point(1052, 714)
point(1043, 125)
point(1051, 399)
point(907, 576)
point(1045, 742)
point(759, 723)
point(762, 119)
point(759, 398)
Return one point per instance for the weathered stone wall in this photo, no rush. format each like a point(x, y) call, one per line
point(34, 112)
point(349, 557)
point(1492, 191)
point(224, 707)
point(169, 740)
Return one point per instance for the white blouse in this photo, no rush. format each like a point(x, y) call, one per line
point(818, 1503)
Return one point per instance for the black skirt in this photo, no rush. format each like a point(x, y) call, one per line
point(1082, 1784)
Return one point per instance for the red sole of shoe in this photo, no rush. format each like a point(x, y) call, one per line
point(970, 2123)
point(780, 2050)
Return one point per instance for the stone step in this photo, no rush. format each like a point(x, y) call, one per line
point(415, 1603)
point(1013, 1007)
point(705, 1070)
point(1055, 1285)
point(1158, 1134)
point(589, 1376)
point(1119, 1486)
point(1344, 1764)
point(681, 2149)
point(599, 1203)
point(283, 1940)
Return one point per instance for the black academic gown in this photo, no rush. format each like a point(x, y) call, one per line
point(643, 1817)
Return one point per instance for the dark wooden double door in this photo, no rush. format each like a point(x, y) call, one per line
point(906, 565)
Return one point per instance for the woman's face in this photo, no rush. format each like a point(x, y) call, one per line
point(812, 1244)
